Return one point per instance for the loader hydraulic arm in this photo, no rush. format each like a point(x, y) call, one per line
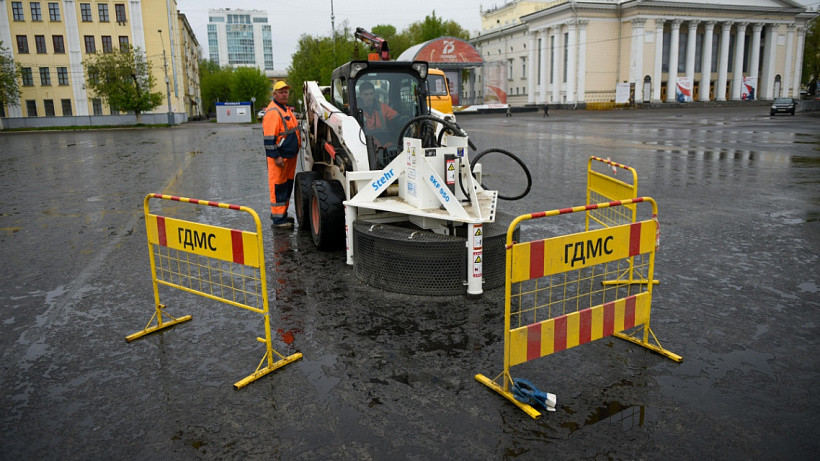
point(377, 44)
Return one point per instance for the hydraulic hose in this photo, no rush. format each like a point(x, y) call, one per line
point(451, 127)
point(517, 160)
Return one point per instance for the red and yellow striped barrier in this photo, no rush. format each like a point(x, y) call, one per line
point(603, 187)
point(227, 265)
point(560, 292)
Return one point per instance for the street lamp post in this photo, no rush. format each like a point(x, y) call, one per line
point(167, 81)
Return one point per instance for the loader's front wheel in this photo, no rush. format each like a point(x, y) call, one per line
point(301, 195)
point(327, 216)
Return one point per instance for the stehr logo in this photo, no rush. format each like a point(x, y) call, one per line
point(377, 184)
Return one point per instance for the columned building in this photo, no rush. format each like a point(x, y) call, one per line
point(51, 39)
point(576, 52)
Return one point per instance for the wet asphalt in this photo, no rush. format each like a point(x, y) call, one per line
point(389, 376)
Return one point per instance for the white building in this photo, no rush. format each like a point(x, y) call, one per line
point(240, 38)
point(572, 52)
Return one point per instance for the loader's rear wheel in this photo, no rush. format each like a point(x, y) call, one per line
point(327, 216)
point(303, 182)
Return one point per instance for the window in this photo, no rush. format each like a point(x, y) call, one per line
point(90, 45)
point(119, 9)
point(49, 105)
point(31, 107)
point(36, 14)
point(54, 13)
point(523, 67)
point(66, 107)
point(45, 76)
point(40, 43)
point(85, 12)
point(102, 9)
point(123, 42)
point(96, 103)
point(510, 69)
point(22, 44)
point(62, 75)
point(25, 73)
point(107, 45)
point(17, 11)
point(59, 44)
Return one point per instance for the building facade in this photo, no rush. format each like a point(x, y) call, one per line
point(576, 52)
point(50, 41)
point(240, 38)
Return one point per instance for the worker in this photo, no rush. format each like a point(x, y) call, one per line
point(279, 128)
point(376, 114)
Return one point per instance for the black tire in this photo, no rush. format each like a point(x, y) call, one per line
point(301, 196)
point(327, 215)
point(771, 113)
point(792, 112)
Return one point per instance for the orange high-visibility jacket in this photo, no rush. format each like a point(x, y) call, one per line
point(280, 132)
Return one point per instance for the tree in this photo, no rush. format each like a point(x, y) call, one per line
point(250, 82)
point(124, 80)
point(811, 54)
point(317, 56)
point(434, 27)
point(229, 84)
point(214, 85)
point(9, 73)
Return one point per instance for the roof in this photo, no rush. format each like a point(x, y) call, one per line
point(444, 52)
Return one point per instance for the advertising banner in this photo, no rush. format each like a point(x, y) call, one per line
point(495, 82)
point(747, 89)
point(683, 89)
point(622, 93)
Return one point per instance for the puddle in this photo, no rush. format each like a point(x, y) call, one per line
point(626, 417)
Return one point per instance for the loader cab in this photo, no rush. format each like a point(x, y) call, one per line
point(383, 96)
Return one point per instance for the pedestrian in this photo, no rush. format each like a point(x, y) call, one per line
point(546, 110)
point(281, 137)
point(509, 113)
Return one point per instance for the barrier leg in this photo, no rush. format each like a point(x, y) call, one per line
point(644, 342)
point(535, 414)
point(160, 324)
point(272, 366)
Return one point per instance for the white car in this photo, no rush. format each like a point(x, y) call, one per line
point(260, 114)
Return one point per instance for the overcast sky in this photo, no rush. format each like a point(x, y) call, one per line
point(292, 18)
point(289, 19)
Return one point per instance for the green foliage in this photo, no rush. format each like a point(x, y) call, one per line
point(9, 73)
point(811, 53)
point(123, 79)
point(223, 84)
point(317, 56)
point(250, 82)
point(434, 27)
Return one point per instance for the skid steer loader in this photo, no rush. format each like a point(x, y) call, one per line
point(400, 194)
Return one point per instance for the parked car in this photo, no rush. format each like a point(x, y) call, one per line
point(260, 114)
point(783, 105)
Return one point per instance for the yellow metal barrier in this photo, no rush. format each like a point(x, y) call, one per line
point(554, 298)
point(218, 263)
point(604, 187)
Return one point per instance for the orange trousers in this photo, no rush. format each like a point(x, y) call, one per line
point(280, 181)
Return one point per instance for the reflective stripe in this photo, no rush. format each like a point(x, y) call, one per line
point(279, 204)
point(284, 125)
